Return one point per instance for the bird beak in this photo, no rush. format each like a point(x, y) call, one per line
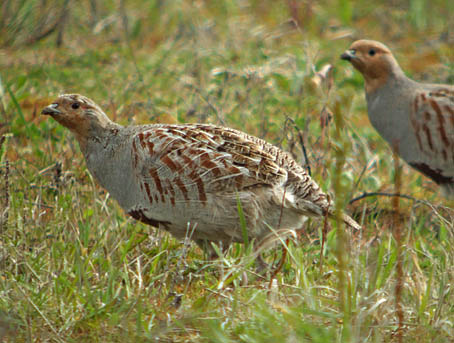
point(51, 110)
point(348, 55)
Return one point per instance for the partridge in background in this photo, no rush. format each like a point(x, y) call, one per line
point(417, 119)
point(187, 179)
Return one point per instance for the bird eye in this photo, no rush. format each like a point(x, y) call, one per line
point(371, 52)
point(75, 105)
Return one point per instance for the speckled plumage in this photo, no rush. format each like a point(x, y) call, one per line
point(170, 176)
point(416, 119)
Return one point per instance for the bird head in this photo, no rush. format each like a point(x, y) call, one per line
point(372, 59)
point(80, 115)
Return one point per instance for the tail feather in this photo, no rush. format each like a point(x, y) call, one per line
point(350, 222)
point(314, 210)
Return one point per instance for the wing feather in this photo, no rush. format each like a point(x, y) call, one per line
point(432, 117)
point(189, 162)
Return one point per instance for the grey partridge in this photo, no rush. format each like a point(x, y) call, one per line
point(190, 177)
point(417, 119)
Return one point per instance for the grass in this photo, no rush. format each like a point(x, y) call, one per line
point(75, 268)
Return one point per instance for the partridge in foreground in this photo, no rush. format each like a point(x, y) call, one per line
point(417, 119)
point(188, 178)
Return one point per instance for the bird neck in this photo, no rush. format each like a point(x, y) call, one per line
point(389, 72)
point(97, 136)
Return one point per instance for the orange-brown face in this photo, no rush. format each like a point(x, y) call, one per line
point(72, 111)
point(373, 59)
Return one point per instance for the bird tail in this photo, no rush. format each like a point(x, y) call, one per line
point(311, 209)
point(350, 222)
